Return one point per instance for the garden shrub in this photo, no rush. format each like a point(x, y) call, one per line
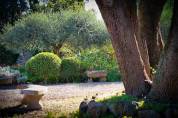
point(98, 59)
point(67, 51)
point(30, 77)
point(7, 57)
point(44, 66)
point(113, 75)
point(72, 71)
point(102, 58)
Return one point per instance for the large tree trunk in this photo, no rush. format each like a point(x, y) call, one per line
point(149, 17)
point(120, 17)
point(165, 85)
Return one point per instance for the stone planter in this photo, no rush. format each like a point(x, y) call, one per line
point(8, 80)
point(5, 81)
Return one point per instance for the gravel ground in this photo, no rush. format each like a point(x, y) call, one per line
point(66, 98)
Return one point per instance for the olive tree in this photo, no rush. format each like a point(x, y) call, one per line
point(42, 31)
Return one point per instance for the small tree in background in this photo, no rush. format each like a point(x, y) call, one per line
point(41, 31)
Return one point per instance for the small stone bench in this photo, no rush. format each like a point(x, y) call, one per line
point(32, 96)
point(101, 74)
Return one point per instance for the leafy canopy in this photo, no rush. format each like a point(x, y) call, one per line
point(43, 31)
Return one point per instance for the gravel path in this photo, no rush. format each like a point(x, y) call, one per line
point(66, 91)
point(67, 97)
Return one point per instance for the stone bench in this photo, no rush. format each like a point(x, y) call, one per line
point(101, 74)
point(32, 96)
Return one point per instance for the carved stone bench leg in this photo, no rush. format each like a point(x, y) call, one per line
point(32, 102)
point(90, 80)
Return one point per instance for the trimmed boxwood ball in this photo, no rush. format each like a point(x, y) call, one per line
point(44, 65)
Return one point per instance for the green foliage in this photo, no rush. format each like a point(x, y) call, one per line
point(44, 31)
point(156, 106)
point(7, 57)
point(72, 71)
point(102, 58)
point(45, 66)
point(98, 59)
point(115, 99)
point(59, 5)
point(167, 13)
point(67, 51)
point(113, 75)
point(50, 115)
point(84, 29)
point(166, 17)
point(32, 32)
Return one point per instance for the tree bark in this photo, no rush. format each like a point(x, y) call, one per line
point(149, 13)
point(120, 17)
point(165, 85)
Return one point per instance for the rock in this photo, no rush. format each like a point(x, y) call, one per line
point(123, 108)
point(117, 109)
point(96, 110)
point(130, 109)
point(83, 108)
point(93, 112)
point(171, 113)
point(148, 114)
point(91, 103)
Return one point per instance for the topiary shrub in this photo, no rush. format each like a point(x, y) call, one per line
point(72, 71)
point(45, 66)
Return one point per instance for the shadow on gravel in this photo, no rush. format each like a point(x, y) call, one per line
point(10, 112)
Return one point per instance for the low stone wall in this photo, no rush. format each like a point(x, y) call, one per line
point(93, 109)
